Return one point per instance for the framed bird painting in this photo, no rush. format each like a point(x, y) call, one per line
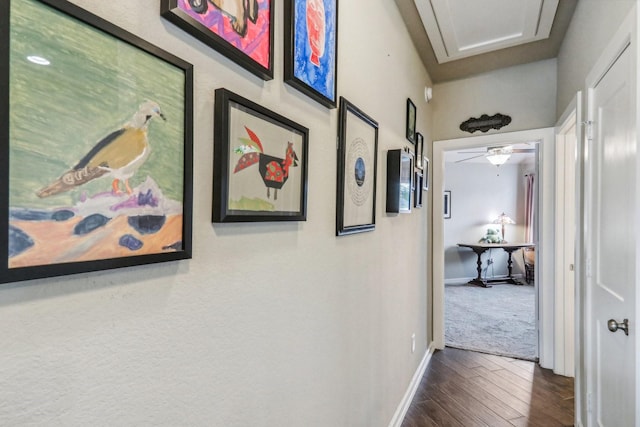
point(241, 30)
point(97, 171)
point(260, 163)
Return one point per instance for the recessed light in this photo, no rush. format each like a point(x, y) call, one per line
point(38, 60)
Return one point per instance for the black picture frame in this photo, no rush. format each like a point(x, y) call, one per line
point(411, 121)
point(71, 224)
point(311, 66)
point(447, 204)
point(357, 170)
point(229, 43)
point(247, 135)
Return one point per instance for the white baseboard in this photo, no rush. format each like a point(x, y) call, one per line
point(403, 407)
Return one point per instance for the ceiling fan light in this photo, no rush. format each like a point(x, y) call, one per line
point(498, 159)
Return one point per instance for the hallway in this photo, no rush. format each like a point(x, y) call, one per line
point(464, 389)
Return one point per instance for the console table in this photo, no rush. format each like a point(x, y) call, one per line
point(480, 248)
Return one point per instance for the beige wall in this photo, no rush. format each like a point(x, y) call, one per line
point(592, 27)
point(527, 93)
point(315, 331)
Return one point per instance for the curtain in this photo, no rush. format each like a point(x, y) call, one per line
point(529, 208)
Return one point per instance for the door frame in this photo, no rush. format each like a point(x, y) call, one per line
point(625, 38)
point(544, 255)
point(567, 297)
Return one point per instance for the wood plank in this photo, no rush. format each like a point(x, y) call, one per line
point(463, 388)
point(439, 415)
point(458, 392)
point(470, 392)
point(548, 404)
point(470, 359)
point(455, 409)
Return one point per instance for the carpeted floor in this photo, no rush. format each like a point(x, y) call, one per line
point(497, 320)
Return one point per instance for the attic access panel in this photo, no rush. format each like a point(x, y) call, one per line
point(461, 28)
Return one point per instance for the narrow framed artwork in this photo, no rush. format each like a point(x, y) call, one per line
point(417, 191)
point(447, 204)
point(260, 168)
point(241, 30)
point(311, 48)
point(419, 150)
point(411, 121)
point(60, 214)
point(357, 170)
point(425, 173)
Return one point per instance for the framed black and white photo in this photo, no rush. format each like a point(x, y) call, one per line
point(425, 173)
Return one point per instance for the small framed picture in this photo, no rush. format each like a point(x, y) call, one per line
point(411, 121)
point(417, 192)
point(419, 150)
point(447, 204)
point(425, 173)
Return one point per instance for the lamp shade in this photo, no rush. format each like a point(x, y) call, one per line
point(502, 220)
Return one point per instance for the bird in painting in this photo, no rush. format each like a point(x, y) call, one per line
point(119, 155)
point(274, 171)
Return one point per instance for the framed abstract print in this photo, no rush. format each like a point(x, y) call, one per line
point(357, 170)
point(260, 163)
point(97, 161)
point(311, 48)
point(411, 121)
point(241, 30)
point(447, 204)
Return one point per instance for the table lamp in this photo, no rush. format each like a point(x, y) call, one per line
point(502, 220)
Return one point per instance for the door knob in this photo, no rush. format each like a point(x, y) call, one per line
point(614, 326)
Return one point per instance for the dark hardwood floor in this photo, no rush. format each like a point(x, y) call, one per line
point(467, 389)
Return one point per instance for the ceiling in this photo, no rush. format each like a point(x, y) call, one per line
point(459, 38)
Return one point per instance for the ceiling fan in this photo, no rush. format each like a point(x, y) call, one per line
point(496, 155)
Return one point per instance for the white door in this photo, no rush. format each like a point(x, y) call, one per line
point(611, 241)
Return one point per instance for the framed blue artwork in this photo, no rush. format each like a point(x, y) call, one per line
point(311, 48)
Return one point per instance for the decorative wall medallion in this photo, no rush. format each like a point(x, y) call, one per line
point(485, 123)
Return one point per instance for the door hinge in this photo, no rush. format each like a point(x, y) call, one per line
point(588, 267)
point(589, 406)
point(588, 129)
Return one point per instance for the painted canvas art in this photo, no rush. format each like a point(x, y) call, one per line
point(311, 48)
point(261, 163)
point(98, 152)
point(240, 29)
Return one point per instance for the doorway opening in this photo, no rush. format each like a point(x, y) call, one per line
point(489, 242)
point(544, 291)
